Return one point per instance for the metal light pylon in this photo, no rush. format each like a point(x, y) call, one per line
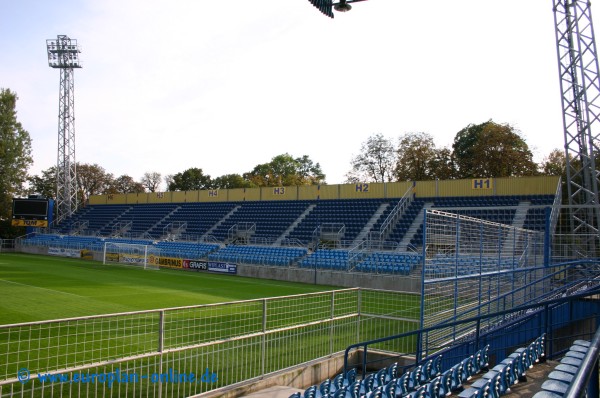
point(580, 92)
point(63, 54)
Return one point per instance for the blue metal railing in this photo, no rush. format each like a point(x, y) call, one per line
point(525, 312)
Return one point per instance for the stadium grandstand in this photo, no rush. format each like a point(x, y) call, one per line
point(468, 288)
point(373, 229)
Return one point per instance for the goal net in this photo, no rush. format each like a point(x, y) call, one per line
point(145, 256)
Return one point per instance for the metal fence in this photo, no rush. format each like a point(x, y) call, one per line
point(473, 267)
point(143, 353)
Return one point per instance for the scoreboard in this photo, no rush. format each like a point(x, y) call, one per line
point(32, 212)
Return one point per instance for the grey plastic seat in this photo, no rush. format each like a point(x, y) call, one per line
point(575, 354)
point(547, 394)
point(579, 348)
point(561, 376)
point(567, 368)
point(583, 343)
point(555, 386)
point(571, 361)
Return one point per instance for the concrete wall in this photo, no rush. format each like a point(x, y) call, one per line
point(308, 374)
point(332, 278)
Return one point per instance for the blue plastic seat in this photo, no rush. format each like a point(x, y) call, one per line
point(325, 387)
point(392, 372)
point(342, 392)
point(349, 377)
point(375, 393)
point(367, 384)
point(402, 384)
point(479, 363)
point(467, 367)
point(414, 378)
point(420, 392)
point(433, 387)
point(436, 368)
point(389, 390)
point(456, 377)
point(426, 370)
point(446, 383)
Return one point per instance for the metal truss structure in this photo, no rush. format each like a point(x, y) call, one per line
point(63, 54)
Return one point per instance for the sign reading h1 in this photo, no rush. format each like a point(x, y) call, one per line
point(481, 183)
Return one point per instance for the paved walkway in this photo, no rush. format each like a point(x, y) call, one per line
point(274, 392)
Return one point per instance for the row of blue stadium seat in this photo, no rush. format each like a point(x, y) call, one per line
point(429, 381)
point(278, 256)
point(273, 219)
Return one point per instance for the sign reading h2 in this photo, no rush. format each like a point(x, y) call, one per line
point(361, 187)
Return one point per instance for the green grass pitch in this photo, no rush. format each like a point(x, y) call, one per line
point(34, 288)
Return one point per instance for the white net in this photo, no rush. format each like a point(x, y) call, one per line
point(145, 256)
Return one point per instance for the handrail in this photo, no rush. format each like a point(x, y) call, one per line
point(396, 212)
point(577, 388)
point(546, 304)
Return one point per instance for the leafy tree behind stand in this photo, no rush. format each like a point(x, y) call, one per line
point(15, 158)
point(492, 150)
point(285, 170)
point(374, 163)
point(192, 179)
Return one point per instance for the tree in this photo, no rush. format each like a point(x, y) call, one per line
point(262, 175)
point(285, 170)
point(416, 152)
point(92, 179)
point(192, 179)
point(15, 153)
point(151, 180)
point(442, 166)
point(374, 163)
point(125, 184)
point(309, 172)
point(45, 184)
point(492, 150)
point(231, 181)
point(554, 164)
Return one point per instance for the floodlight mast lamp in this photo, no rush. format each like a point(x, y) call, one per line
point(327, 6)
point(63, 54)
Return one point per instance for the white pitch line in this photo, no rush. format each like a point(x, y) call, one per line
point(43, 288)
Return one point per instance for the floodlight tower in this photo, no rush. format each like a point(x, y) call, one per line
point(63, 54)
point(580, 97)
